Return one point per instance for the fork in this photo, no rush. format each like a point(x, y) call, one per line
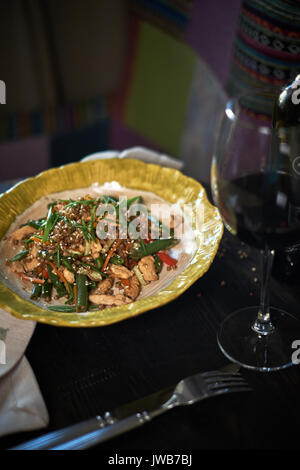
point(99, 429)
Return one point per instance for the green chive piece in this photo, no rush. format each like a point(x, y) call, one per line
point(19, 256)
point(47, 290)
point(82, 293)
point(59, 286)
point(71, 295)
point(116, 260)
point(62, 308)
point(99, 262)
point(58, 256)
point(51, 221)
point(67, 265)
point(92, 231)
point(153, 247)
point(37, 224)
point(158, 264)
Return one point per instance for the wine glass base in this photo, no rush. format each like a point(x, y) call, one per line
point(274, 351)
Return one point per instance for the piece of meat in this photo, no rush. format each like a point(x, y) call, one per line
point(31, 261)
point(21, 233)
point(96, 249)
point(147, 268)
point(69, 276)
point(80, 248)
point(30, 264)
point(34, 251)
point(120, 272)
point(134, 287)
point(102, 299)
point(16, 267)
point(103, 286)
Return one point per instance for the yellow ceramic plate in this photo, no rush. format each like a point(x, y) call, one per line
point(169, 184)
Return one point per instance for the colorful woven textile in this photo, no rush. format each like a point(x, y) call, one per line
point(267, 47)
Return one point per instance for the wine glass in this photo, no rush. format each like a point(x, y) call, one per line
point(257, 190)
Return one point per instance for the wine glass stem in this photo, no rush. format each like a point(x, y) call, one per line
point(263, 324)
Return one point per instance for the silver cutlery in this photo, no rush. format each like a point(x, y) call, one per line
point(127, 417)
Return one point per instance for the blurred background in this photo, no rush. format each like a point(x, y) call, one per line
point(89, 75)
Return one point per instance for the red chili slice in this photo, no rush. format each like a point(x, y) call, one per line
point(166, 259)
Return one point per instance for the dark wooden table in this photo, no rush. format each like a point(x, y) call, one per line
point(84, 372)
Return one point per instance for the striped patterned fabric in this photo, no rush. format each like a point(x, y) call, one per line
point(267, 48)
point(52, 120)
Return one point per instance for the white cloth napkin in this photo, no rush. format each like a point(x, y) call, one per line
point(22, 407)
point(140, 153)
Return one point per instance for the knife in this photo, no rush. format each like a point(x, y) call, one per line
point(101, 428)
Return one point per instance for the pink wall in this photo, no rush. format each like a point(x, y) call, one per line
point(211, 33)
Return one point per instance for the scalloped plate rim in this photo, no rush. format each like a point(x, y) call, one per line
point(139, 306)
